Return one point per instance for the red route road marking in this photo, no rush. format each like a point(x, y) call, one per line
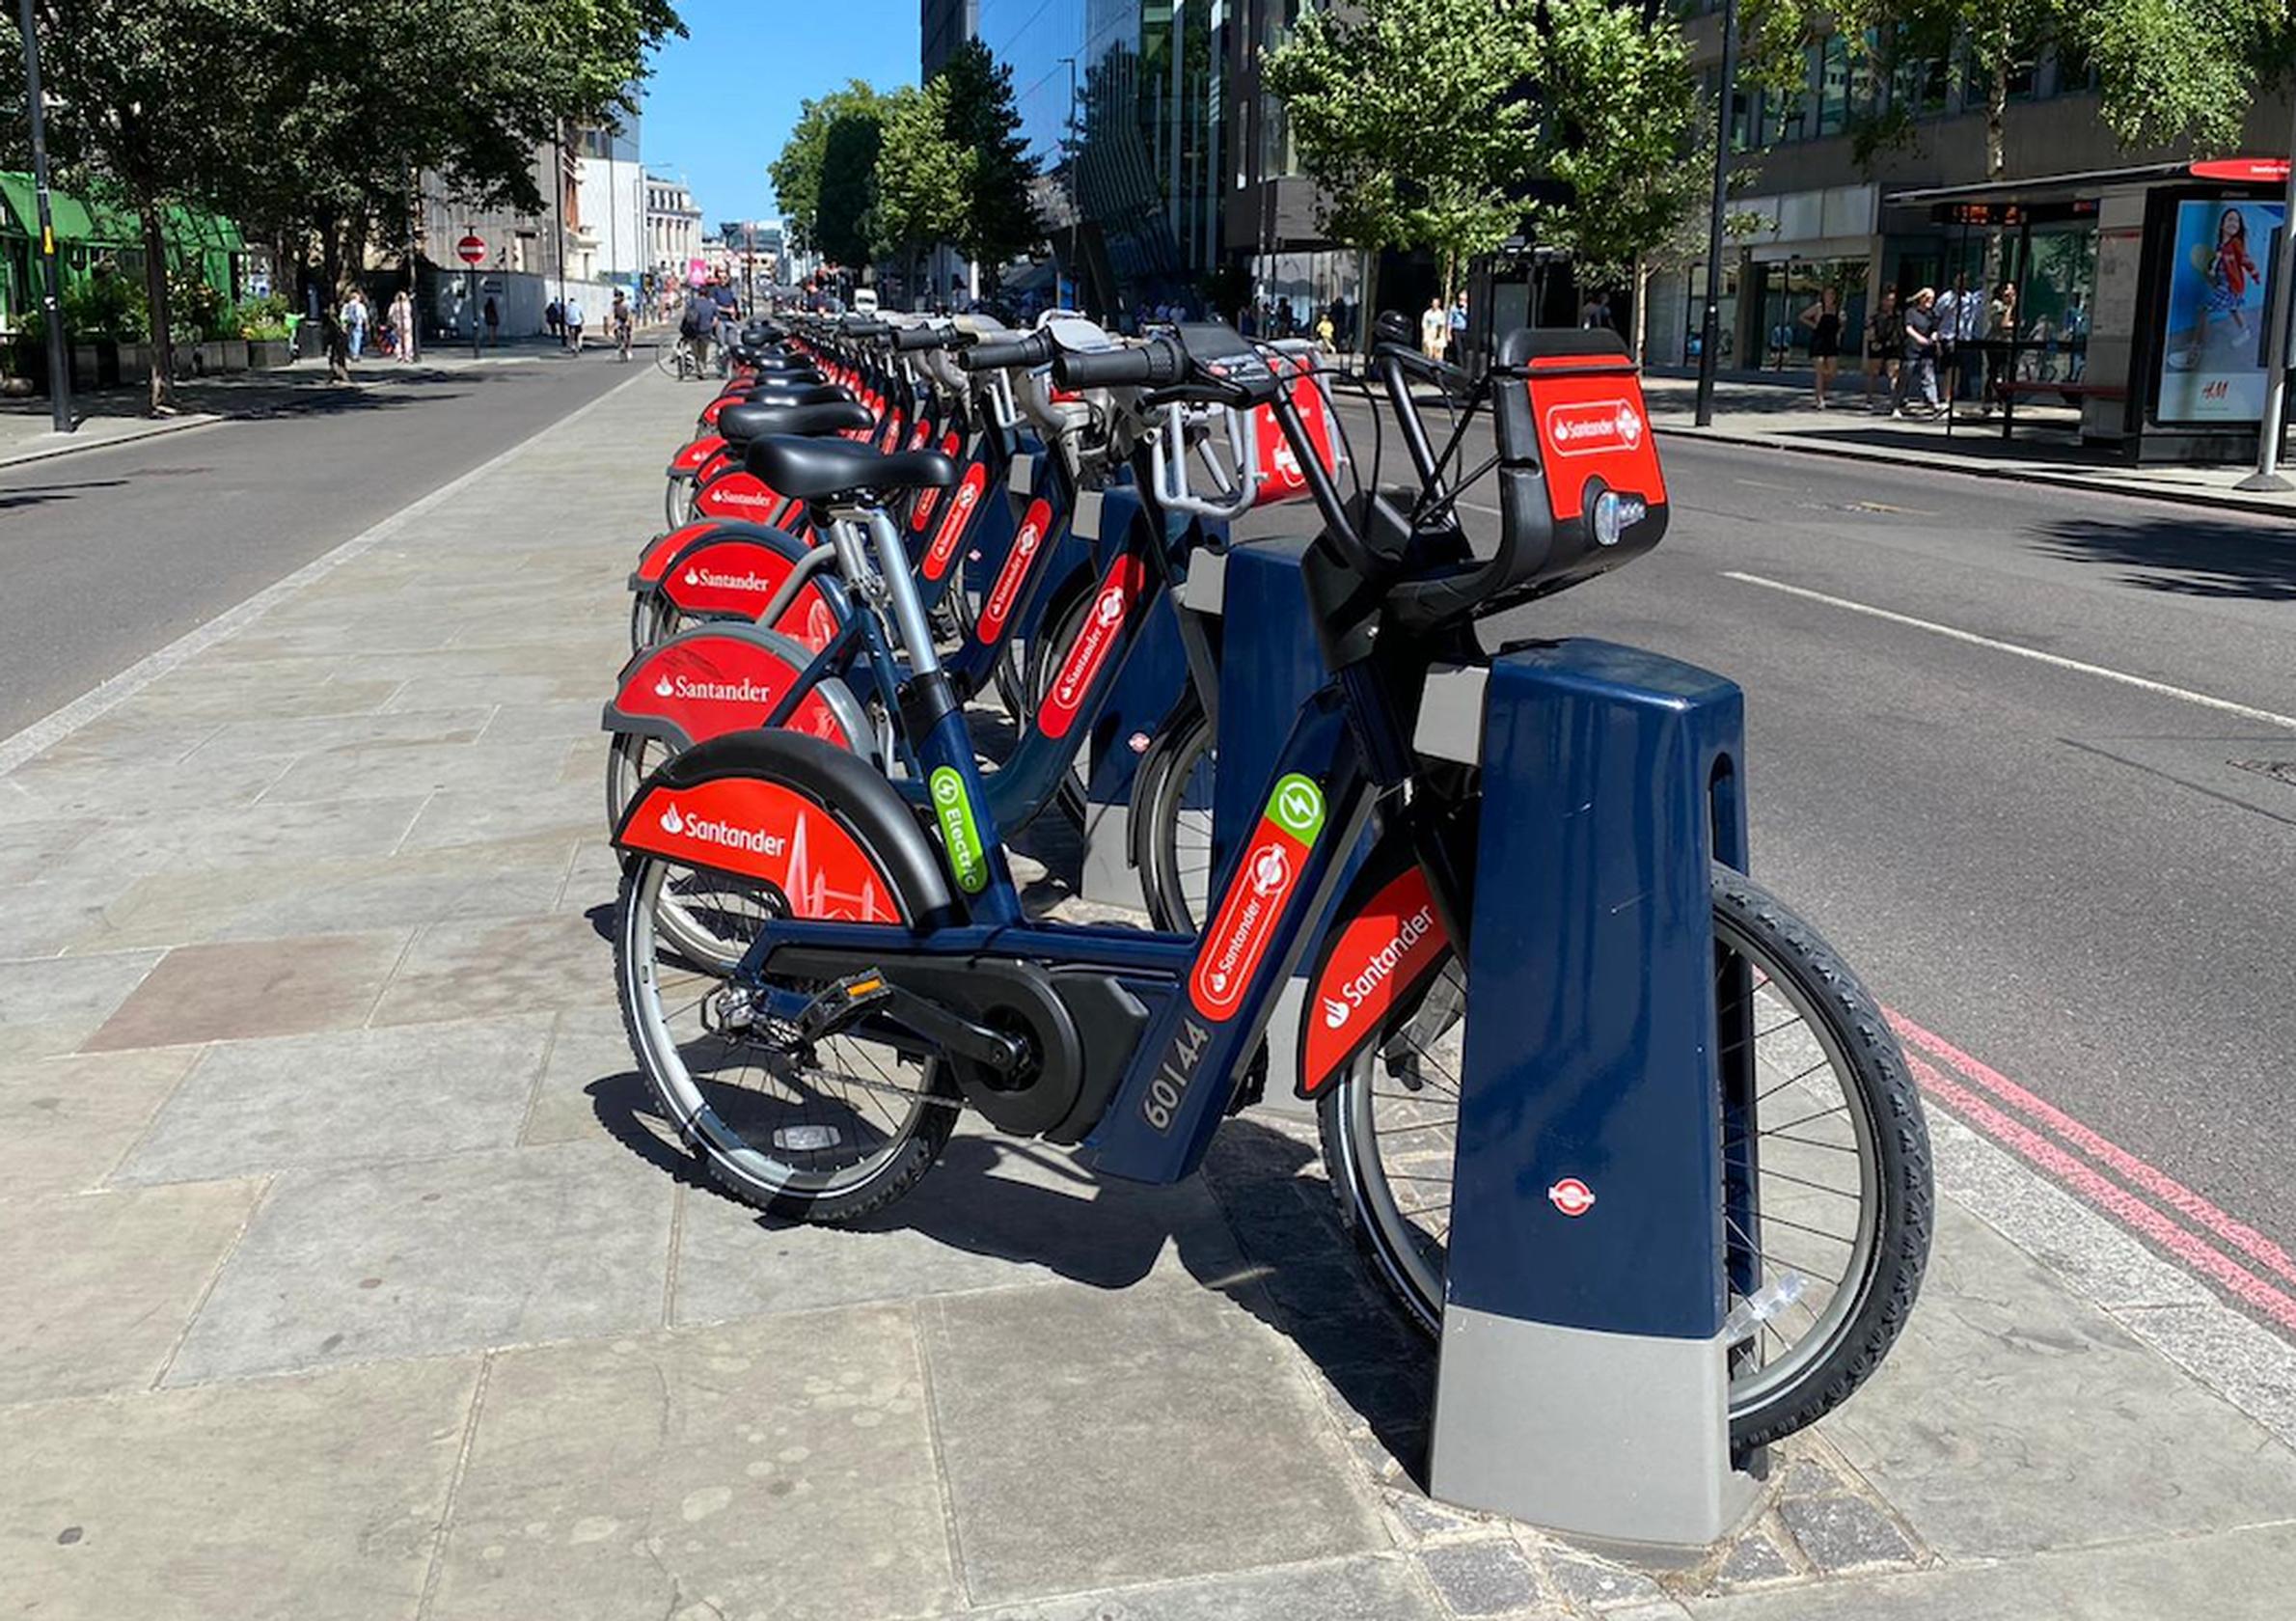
point(2109, 1196)
point(2153, 1180)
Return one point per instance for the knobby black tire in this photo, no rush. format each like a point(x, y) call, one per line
point(1793, 954)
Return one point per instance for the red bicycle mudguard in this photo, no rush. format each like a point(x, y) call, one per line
point(737, 493)
point(714, 679)
point(695, 455)
point(764, 830)
point(739, 575)
point(1388, 948)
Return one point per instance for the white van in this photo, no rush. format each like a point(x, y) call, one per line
point(864, 301)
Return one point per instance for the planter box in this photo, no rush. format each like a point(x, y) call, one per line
point(266, 354)
point(235, 354)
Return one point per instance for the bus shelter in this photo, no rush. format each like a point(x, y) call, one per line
point(2139, 299)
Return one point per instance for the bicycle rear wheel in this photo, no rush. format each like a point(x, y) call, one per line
point(1842, 1198)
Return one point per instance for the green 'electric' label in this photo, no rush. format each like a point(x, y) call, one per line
point(958, 833)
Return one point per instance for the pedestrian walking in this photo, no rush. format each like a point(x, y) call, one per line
point(402, 324)
point(334, 337)
point(1435, 329)
point(1917, 374)
point(1824, 318)
point(695, 327)
point(1458, 331)
point(1885, 347)
point(492, 315)
point(573, 318)
point(619, 317)
point(354, 322)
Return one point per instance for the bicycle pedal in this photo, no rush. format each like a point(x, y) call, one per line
point(843, 1003)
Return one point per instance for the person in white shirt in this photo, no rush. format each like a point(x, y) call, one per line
point(574, 324)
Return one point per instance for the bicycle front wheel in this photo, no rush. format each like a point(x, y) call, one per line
point(825, 1132)
point(1842, 1201)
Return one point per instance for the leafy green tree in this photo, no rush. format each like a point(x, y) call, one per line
point(826, 173)
point(1623, 132)
point(1413, 118)
point(2169, 70)
point(923, 182)
point(316, 115)
point(983, 118)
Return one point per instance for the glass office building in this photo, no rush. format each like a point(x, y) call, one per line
point(1120, 102)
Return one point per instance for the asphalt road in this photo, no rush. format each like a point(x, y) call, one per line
point(107, 555)
point(2064, 875)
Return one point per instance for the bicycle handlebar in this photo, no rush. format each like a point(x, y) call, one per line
point(1156, 364)
point(1032, 350)
point(908, 339)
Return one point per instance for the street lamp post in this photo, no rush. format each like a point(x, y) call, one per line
point(1725, 120)
point(51, 300)
point(2267, 475)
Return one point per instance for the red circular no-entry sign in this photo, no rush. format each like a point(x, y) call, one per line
point(472, 248)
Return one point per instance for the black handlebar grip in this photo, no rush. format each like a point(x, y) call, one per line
point(1032, 350)
point(863, 329)
point(1155, 364)
point(907, 339)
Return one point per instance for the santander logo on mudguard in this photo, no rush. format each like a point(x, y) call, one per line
point(1381, 956)
point(762, 830)
point(699, 452)
point(1102, 632)
point(1009, 579)
point(1237, 943)
point(737, 495)
point(708, 685)
point(741, 577)
point(943, 549)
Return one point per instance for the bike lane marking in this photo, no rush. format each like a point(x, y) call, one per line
point(2142, 683)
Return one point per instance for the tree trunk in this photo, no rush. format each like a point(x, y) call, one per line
point(1997, 112)
point(1642, 291)
point(162, 396)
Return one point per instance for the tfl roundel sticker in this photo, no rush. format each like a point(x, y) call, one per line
point(1572, 1196)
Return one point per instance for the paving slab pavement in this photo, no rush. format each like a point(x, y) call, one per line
point(346, 1270)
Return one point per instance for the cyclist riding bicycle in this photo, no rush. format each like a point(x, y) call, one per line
point(618, 321)
point(695, 326)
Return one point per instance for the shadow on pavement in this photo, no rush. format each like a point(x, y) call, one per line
point(1020, 1201)
point(2189, 556)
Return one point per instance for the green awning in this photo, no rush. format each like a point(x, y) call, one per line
point(101, 224)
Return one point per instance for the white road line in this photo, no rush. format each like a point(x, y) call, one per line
point(2225, 705)
point(51, 730)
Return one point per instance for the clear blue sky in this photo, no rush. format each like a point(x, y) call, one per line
point(722, 100)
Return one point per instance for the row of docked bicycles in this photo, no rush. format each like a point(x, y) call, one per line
point(880, 535)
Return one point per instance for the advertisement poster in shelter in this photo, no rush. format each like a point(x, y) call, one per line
point(2213, 343)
